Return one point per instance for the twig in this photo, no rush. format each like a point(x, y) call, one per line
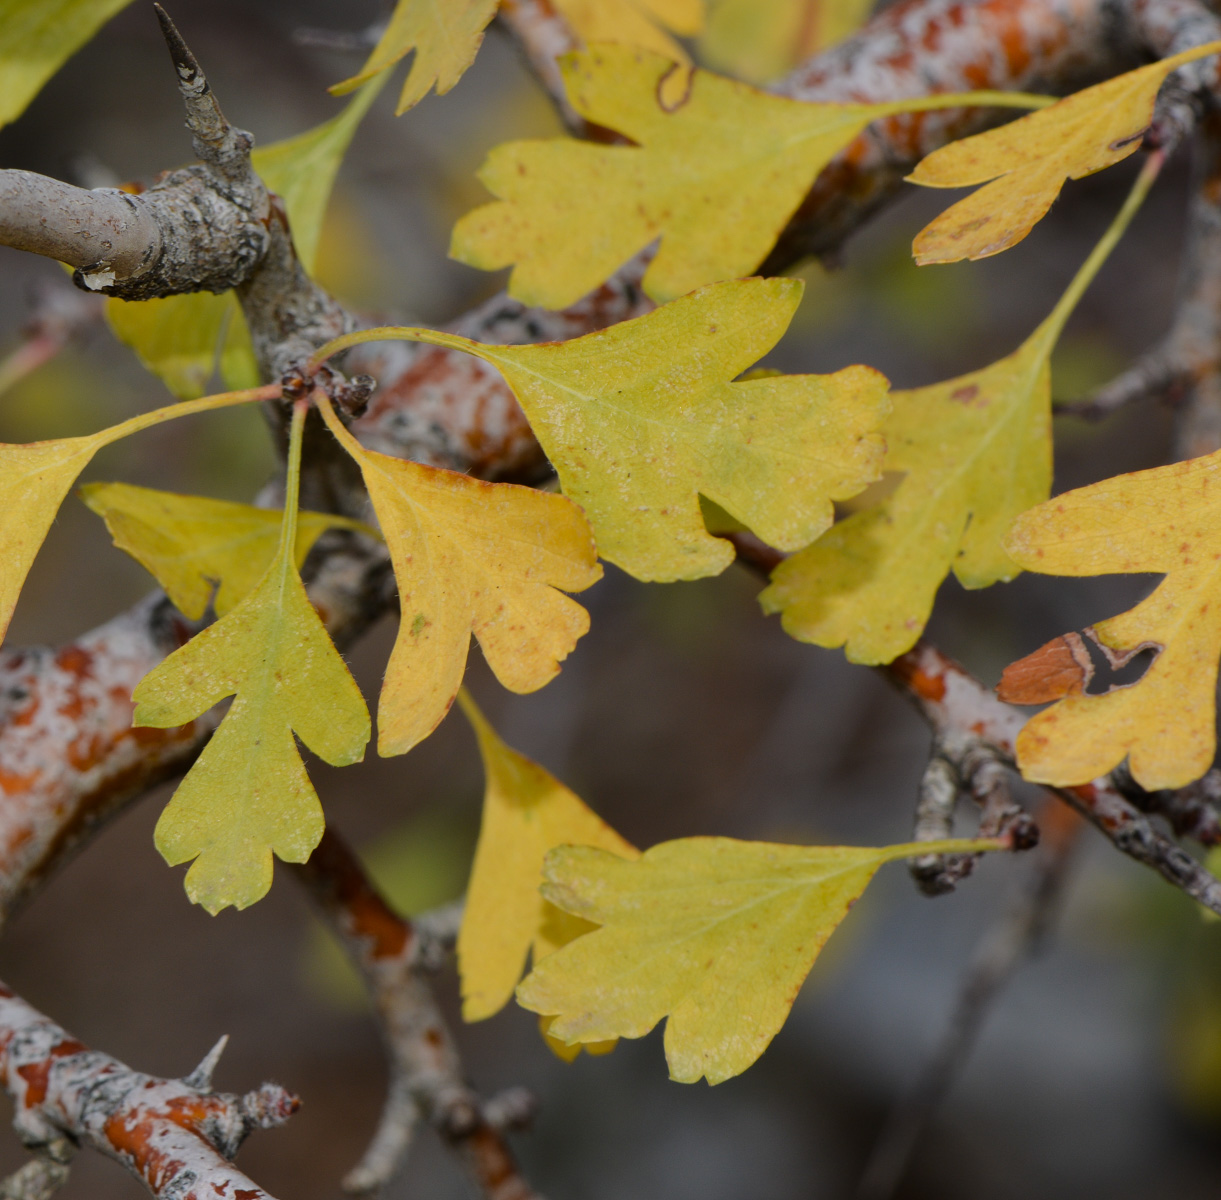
point(176, 1136)
point(426, 1081)
point(1015, 938)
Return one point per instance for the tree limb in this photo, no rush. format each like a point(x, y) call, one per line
point(176, 1136)
point(426, 1082)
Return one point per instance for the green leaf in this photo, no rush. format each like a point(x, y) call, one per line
point(36, 38)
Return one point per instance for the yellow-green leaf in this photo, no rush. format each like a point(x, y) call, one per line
point(975, 452)
point(526, 813)
point(248, 795)
point(1029, 160)
point(175, 337)
point(445, 35)
point(471, 557)
point(760, 40)
point(178, 338)
point(194, 545)
point(36, 38)
point(715, 934)
point(642, 419)
point(301, 170)
point(716, 174)
point(1167, 521)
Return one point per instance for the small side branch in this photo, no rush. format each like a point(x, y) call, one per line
point(176, 1137)
point(951, 699)
point(1016, 937)
point(426, 1081)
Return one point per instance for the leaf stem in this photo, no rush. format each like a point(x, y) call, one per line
point(292, 482)
point(944, 846)
point(963, 100)
point(393, 333)
point(1054, 323)
point(268, 391)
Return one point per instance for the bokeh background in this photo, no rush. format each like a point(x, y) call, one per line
point(683, 712)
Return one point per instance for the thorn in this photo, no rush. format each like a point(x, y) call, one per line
point(185, 62)
point(201, 1078)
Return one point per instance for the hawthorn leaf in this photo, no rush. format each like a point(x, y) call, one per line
point(445, 36)
point(1029, 160)
point(643, 418)
point(471, 557)
point(178, 338)
point(248, 795)
point(716, 175)
point(36, 476)
point(713, 933)
point(526, 813)
point(36, 38)
point(974, 453)
point(1166, 520)
point(761, 40)
point(34, 479)
point(640, 23)
point(194, 545)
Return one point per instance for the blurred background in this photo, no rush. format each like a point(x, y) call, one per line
point(683, 712)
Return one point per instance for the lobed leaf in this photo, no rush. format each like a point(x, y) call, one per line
point(641, 419)
point(716, 174)
point(715, 935)
point(526, 813)
point(1168, 521)
point(471, 557)
point(194, 546)
point(974, 453)
point(248, 796)
point(445, 37)
point(641, 23)
point(1029, 160)
point(36, 38)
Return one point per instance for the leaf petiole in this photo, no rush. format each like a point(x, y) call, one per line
point(187, 408)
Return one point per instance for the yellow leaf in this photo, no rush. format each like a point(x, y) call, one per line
point(713, 933)
point(248, 795)
point(526, 813)
point(35, 478)
point(716, 174)
point(761, 40)
point(445, 35)
point(975, 452)
point(36, 38)
point(642, 419)
point(635, 23)
point(193, 545)
point(471, 557)
point(1029, 160)
point(1168, 521)
point(175, 337)
point(178, 338)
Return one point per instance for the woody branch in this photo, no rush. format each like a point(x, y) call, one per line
point(68, 757)
point(176, 1136)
